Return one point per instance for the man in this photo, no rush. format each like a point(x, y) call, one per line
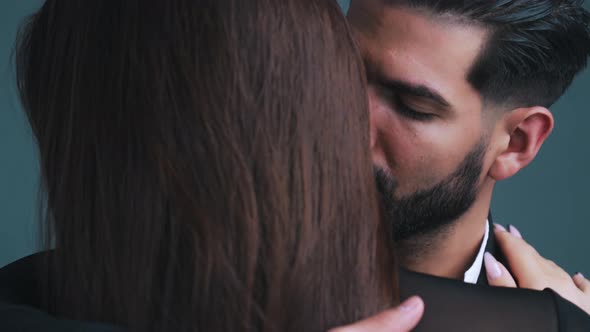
point(459, 94)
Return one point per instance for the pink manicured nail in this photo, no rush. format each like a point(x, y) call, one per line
point(492, 266)
point(514, 231)
point(500, 227)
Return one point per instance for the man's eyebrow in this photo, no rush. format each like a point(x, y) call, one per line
point(417, 90)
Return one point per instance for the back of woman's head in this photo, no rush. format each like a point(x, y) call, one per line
point(205, 164)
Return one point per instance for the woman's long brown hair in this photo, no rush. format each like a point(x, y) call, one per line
point(205, 164)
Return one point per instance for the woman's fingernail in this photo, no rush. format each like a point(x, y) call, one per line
point(492, 266)
point(411, 304)
point(579, 274)
point(500, 227)
point(514, 231)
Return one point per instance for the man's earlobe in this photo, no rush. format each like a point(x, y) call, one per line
point(526, 129)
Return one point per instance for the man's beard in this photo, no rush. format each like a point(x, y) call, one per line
point(430, 211)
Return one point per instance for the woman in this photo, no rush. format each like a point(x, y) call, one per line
point(195, 167)
point(205, 166)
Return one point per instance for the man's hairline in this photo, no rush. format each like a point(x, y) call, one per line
point(455, 19)
point(485, 47)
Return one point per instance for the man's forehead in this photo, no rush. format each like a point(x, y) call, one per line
point(366, 14)
point(404, 44)
point(410, 38)
point(392, 20)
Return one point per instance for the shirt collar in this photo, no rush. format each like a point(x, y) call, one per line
point(472, 274)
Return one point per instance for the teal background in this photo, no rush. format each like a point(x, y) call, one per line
point(547, 200)
point(18, 163)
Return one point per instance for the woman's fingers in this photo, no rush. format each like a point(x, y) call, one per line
point(582, 283)
point(533, 271)
point(402, 318)
point(497, 273)
point(514, 231)
point(524, 261)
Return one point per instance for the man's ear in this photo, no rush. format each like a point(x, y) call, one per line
point(521, 134)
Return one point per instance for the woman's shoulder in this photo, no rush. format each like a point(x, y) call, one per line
point(19, 280)
point(28, 319)
point(20, 308)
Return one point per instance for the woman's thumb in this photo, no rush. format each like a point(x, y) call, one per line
point(402, 318)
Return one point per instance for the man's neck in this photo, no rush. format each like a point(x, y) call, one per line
point(449, 252)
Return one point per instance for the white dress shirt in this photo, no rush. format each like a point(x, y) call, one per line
point(472, 274)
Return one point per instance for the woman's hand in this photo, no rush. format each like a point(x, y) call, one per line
point(533, 271)
point(402, 318)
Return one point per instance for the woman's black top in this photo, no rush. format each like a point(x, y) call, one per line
point(450, 306)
